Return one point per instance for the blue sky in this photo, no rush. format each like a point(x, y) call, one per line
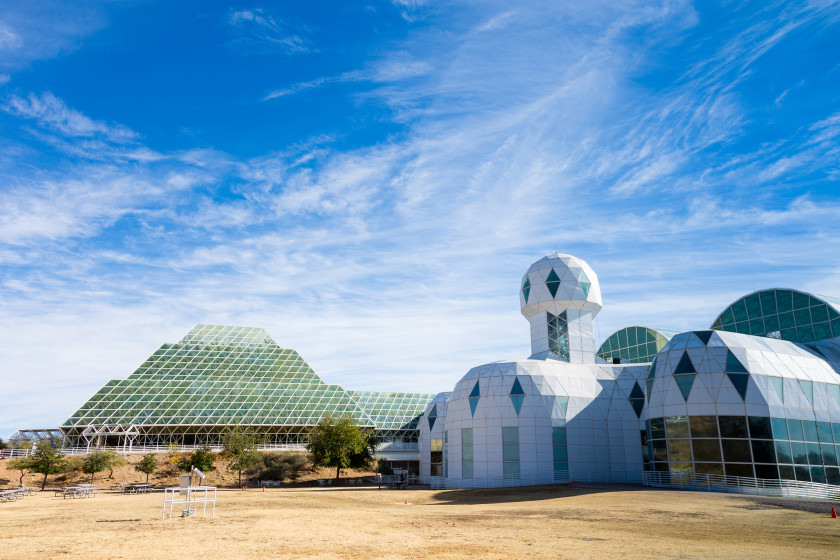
point(369, 181)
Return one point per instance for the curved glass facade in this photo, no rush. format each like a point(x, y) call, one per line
point(784, 314)
point(750, 446)
point(634, 345)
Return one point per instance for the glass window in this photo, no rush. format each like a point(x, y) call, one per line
point(676, 426)
point(809, 429)
point(763, 452)
point(680, 467)
point(829, 455)
point(818, 474)
point(779, 428)
point(786, 472)
point(660, 450)
point(708, 468)
point(703, 426)
point(800, 454)
point(766, 471)
point(739, 470)
point(795, 430)
point(561, 454)
point(736, 451)
point(706, 449)
point(832, 475)
point(783, 452)
point(814, 454)
point(467, 469)
point(657, 428)
point(510, 435)
point(558, 436)
point(835, 428)
point(679, 449)
point(760, 427)
point(802, 473)
point(733, 427)
point(510, 452)
point(824, 432)
point(511, 468)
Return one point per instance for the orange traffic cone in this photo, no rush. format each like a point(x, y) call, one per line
point(243, 488)
point(406, 503)
point(833, 513)
point(263, 488)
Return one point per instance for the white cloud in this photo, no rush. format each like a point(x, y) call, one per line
point(51, 112)
point(259, 32)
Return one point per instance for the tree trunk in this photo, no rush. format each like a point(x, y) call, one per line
point(337, 473)
point(44, 483)
point(22, 474)
point(240, 478)
point(147, 478)
point(91, 477)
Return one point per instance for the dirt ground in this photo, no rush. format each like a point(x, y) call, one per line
point(357, 523)
point(165, 475)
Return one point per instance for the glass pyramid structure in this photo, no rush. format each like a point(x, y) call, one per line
point(190, 392)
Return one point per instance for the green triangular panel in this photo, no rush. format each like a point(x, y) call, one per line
point(637, 399)
point(526, 289)
point(517, 388)
point(473, 404)
point(652, 371)
point(649, 386)
point(739, 381)
point(552, 282)
point(685, 365)
point(584, 282)
point(704, 336)
point(475, 392)
point(517, 401)
point(432, 417)
point(733, 365)
point(685, 382)
point(779, 385)
point(808, 389)
point(564, 403)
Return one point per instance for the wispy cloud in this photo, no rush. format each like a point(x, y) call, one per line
point(259, 33)
point(52, 113)
point(395, 263)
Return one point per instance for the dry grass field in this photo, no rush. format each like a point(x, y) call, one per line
point(541, 522)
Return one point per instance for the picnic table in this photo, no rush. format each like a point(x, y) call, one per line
point(137, 488)
point(11, 495)
point(78, 491)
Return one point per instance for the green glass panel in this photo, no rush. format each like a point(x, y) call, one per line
point(779, 385)
point(753, 306)
point(552, 282)
point(740, 382)
point(684, 365)
point(733, 365)
point(684, 382)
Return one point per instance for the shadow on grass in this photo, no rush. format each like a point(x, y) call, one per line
point(513, 495)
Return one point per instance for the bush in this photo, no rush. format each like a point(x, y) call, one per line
point(202, 458)
point(283, 465)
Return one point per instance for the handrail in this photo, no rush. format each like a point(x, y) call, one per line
point(742, 485)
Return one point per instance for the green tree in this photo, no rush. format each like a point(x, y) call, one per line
point(334, 442)
point(241, 449)
point(23, 464)
point(47, 459)
point(202, 459)
point(3, 444)
point(147, 465)
point(114, 460)
point(96, 461)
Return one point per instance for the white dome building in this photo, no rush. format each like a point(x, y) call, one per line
point(761, 401)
